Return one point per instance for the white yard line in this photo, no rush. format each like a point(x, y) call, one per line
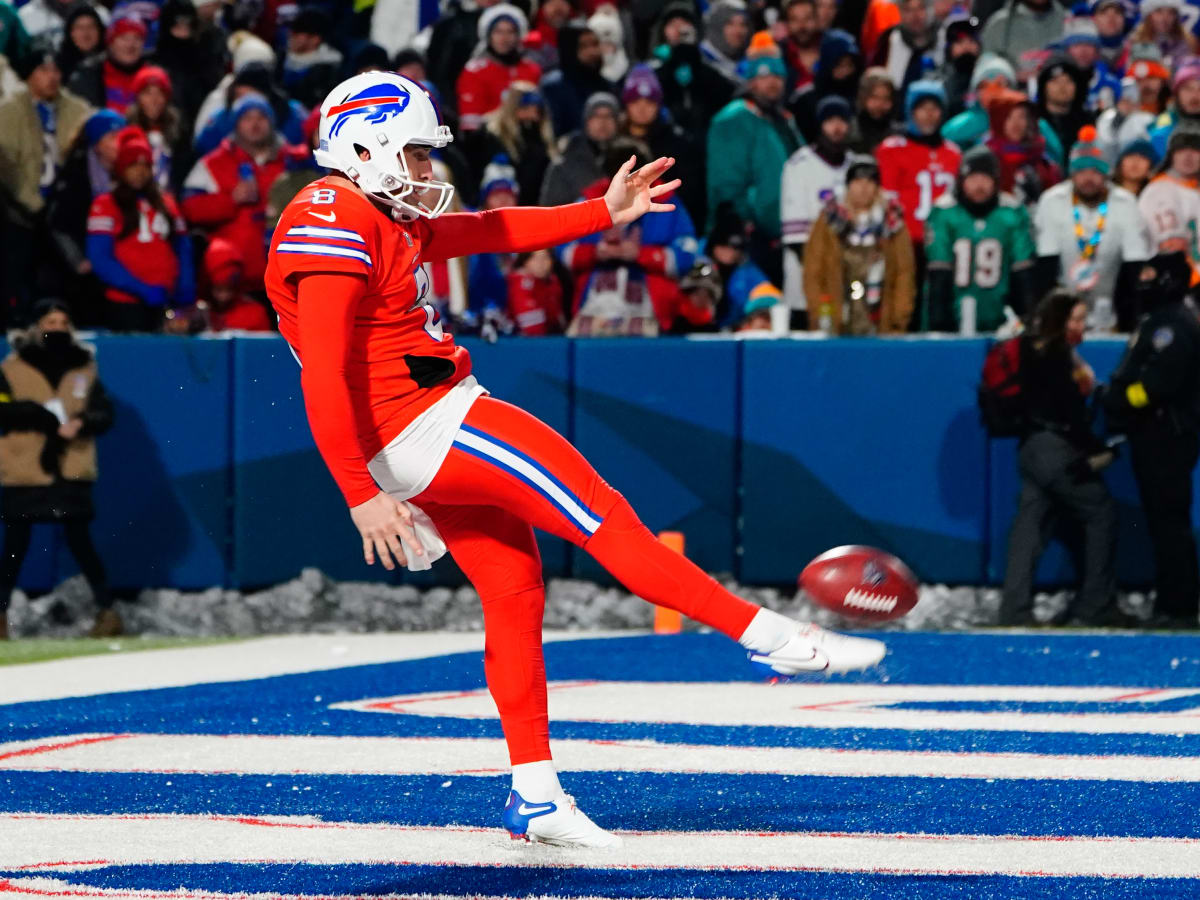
point(303, 755)
point(30, 840)
point(259, 658)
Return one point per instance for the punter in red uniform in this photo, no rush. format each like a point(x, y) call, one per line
point(428, 462)
point(919, 165)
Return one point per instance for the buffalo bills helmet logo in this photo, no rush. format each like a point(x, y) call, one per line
point(376, 104)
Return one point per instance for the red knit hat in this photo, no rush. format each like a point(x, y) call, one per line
point(125, 25)
point(148, 75)
point(132, 146)
point(223, 261)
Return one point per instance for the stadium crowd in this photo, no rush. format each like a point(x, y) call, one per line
point(862, 166)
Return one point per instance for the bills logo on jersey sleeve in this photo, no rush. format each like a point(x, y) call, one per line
point(377, 104)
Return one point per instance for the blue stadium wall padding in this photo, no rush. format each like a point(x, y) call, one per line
point(658, 420)
point(764, 453)
point(162, 500)
point(863, 441)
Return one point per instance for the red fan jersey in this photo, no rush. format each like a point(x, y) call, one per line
point(147, 251)
point(400, 361)
point(918, 174)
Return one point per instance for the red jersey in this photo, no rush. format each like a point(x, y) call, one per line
point(918, 174)
point(398, 360)
point(535, 304)
point(147, 251)
point(481, 85)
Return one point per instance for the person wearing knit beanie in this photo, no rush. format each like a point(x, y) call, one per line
point(641, 83)
point(132, 148)
point(1086, 154)
point(108, 80)
point(1185, 110)
point(1135, 166)
point(1170, 203)
point(1112, 18)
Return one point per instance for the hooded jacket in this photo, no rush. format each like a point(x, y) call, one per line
point(715, 48)
point(567, 89)
point(867, 133)
point(835, 45)
point(1066, 125)
point(1026, 167)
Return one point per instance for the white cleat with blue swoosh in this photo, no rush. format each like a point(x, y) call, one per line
point(557, 822)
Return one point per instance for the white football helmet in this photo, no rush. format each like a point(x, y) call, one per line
point(383, 113)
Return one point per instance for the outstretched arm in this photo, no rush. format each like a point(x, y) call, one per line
point(520, 229)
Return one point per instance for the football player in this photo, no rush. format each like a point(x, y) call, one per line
point(428, 462)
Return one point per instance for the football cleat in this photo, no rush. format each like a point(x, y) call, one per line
point(813, 649)
point(557, 822)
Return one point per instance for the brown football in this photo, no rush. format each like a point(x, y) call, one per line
point(860, 583)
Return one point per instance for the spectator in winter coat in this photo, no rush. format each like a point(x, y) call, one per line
point(138, 243)
point(1185, 110)
point(254, 78)
point(1062, 100)
point(1153, 80)
point(1022, 27)
point(1082, 44)
point(519, 130)
point(1134, 166)
point(919, 165)
point(875, 116)
point(498, 61)
point(86, 174)
point(902, 49)
point(858, 268)
point(1162, 25)
point(1026, 165)
point(226, 192)
point(991, 74)
point(742, 282)
point(164, 126)
point(535, 295)
point(692, 306)
point(552, 15)
point(193, 54)
point(837, 72)
point(245, 49)
point(108, 81)
point(487, 289)
point(962, 51)
point(726, 36)
point(802, 46)
point(83, 39)
point(52, 408)
point(633, 265)
point(1087, 229)
point(48, 19)
point(813, 174)
point(311, 68)
point(577, 78)
point(643, 120)
point(582, 153)
point(753, 138)
point(1112, 24)
point(1125, 122)
point(37, 126)
point(605, 22)
point(693, 90)
point(452, 43)
point(228, 307)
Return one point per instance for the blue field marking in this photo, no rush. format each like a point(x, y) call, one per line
point(645, 801)
point(488, 881)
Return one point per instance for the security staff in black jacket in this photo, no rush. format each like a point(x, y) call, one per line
point(1155, 398)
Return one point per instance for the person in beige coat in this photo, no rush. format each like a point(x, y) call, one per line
point(858, 264)
point(38, 123)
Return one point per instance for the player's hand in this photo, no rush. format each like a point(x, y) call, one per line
point(631, 194)
point(383, 522)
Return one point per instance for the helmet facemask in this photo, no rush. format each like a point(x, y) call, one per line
point(398, 189)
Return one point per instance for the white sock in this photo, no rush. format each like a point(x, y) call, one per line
point(767, 631)
point(536, 782)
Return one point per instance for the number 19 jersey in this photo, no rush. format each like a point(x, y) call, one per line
point(400, 361)
point(981, 252)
